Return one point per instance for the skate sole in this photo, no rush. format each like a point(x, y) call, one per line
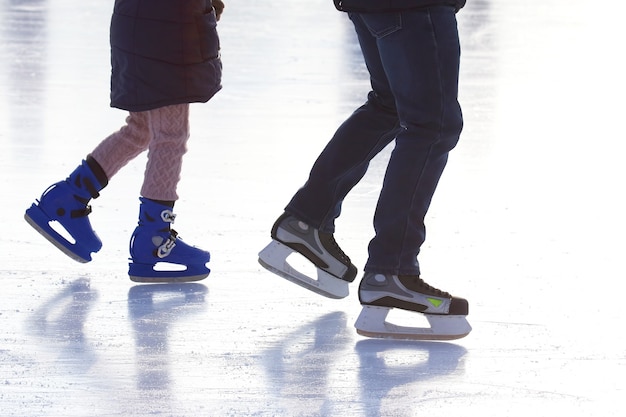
point(372, 323)
point(147, 274)
point(167, 279)
point(274, 258)
point(53, 237)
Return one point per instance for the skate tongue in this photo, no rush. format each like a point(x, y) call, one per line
point(415, 283)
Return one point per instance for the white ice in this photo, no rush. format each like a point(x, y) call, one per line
point(527, 224)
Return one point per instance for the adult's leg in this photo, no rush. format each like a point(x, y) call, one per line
point(345, 159)
point(422, 64)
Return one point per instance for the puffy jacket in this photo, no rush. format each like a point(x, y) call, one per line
point(163, 52)
point(371, 6)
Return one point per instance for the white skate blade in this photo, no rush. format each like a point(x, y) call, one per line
point(372, 323)
point(274, 259)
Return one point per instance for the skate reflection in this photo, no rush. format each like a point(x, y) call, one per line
point(61, 321)
point(153, 310)
point(300, 364)
point(392, 365)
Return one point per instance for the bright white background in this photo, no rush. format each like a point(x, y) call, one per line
point(527, 224)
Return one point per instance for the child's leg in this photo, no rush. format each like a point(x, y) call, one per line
point(153, 242)
point(170, 132)
point(122, 146)
point(65, 205)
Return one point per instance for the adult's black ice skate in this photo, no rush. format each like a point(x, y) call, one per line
point(379, 293)
point(334, 269)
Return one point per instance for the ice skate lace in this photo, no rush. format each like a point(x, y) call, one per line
point(414, 282)
point(334, 247)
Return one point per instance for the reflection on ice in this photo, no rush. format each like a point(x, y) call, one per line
point(153, 309)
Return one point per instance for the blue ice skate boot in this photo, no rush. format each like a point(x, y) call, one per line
point(66, 204)
point(157, 254)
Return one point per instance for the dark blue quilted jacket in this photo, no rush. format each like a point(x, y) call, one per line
point(371, 6)
point(163, 52)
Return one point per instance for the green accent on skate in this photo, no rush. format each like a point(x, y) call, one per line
point(435, 301)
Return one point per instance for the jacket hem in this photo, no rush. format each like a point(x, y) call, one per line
point(163, 103)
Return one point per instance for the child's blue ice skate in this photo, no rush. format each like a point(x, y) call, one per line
point(65, 204)
point(158, 254)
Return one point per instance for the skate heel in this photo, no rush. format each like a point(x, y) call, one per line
point(80, 252)
point(274, 258)
point(158, 254)
point(372, 322)
point(60, 215)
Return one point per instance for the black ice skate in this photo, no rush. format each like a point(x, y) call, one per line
point(334, 269)
point(379, 293)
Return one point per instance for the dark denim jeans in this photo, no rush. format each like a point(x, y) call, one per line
point(413, 61)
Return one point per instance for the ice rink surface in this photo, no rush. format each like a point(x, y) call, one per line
point(527, 224)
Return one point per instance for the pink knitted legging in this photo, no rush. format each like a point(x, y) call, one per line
point(164, 132)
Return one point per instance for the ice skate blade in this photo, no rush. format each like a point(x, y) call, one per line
point(372, 323)
point(37, 219)
point(274, 258)
point(147, 274)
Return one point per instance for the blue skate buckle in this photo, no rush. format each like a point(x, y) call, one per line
point(166, 248)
